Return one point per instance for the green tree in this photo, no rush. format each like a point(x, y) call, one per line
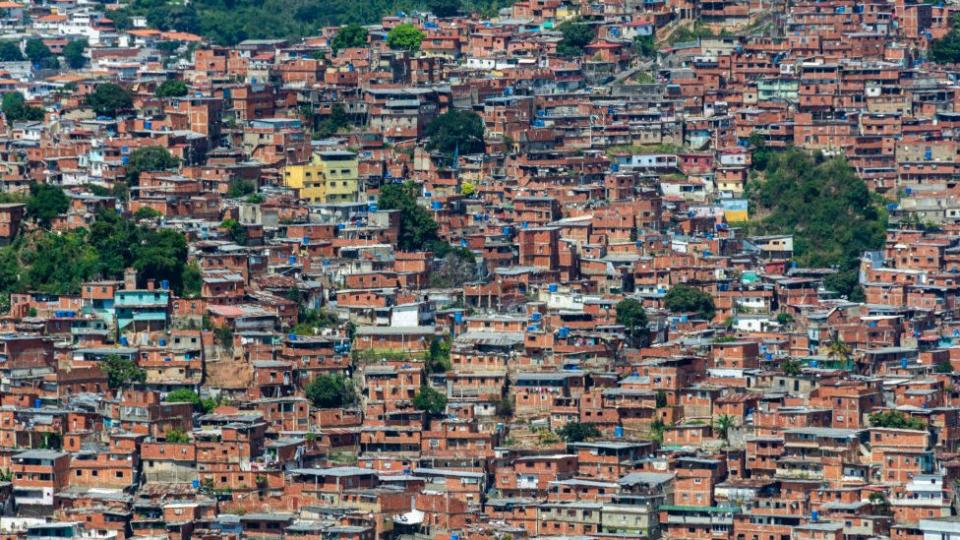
point(333, 123)
point(38, 53)
point(15, 108)
point(182, 395)
point(115, 239)
point(192, 280)
point(108, 99)
point(576, 35)
point(236, 232)
point(838, 350)
point(825, 206)
point(896, 420)
point(176, 436)
point(661, 399)
point(172, 88)
point(73, 53)
point(645, 46)
point(149, 158)
point(456, 131)
point(633, 317)
point(577, 432)
point(881, 506)
point(404, 36)
point(58, 263)
point(430, 401)
point(947, 49)
point(443, 8)
point(944, 367)
point(685, 299)
point(46, 202)
point(418, 230)
point(438, 360)
point(161, 256)
point(351, 35)
point(122, 371)
point(241, 188)
point(791, 367)
point(657, 429)
point(185, 395)
point(145, 212)
point(9, 270)
point(504, 407)
point(724, 424)
point(10, 52)
point(330, 391)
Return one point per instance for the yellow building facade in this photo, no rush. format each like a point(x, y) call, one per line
point(329, 177)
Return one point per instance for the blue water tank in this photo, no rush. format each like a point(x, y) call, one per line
point(815, 516)
point(164, 284)
point(618, 432)
point(553, 287)
point(904, 362)
point(436, 205)
point(163, 342)
point(535, 316)
point(195, 483)
point(292, 259)
point(292, 337)
point(458, 317)
point(37, 403)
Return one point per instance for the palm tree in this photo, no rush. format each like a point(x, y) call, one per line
point(790, 366)
point(838, 350)
point(723, 424)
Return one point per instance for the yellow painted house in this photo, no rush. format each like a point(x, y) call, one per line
point(329, 177)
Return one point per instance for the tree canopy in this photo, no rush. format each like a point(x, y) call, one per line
point(576, 36)
point(149, 158)
point(330, 391)
point(430, 401)
point(172, 88)
point(645, 46)
point(108, 99)
point(10, 52)
point(15, 109)
point(122, 371)
point(73, 53)
point(185, 395)
point(46, 202)
point(896, 420)
point(577, 432)
point(404, 36)
point(351, 35)
point(633, 317)
point(38, 53)
point(825, 206)
point(947, 49)
point(456, 131)
point(685, 299)
point(418, 230)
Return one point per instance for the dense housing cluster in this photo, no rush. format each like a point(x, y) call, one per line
point(663, 269)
